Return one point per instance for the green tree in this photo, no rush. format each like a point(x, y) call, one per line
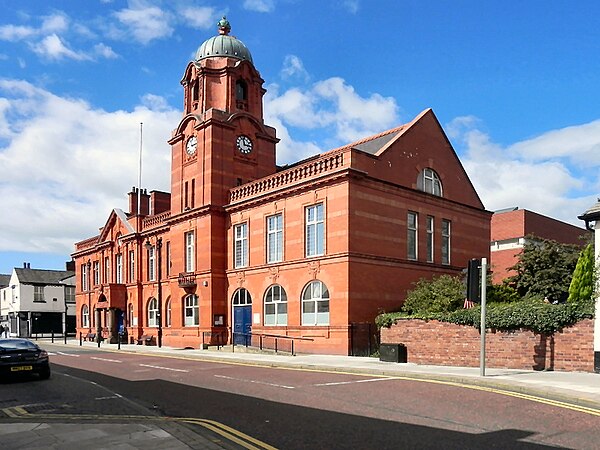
point(501, 293)
point(545, 268)
point(583, 282)
point(440, 294)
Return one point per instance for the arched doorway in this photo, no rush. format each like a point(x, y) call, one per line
point(242, 317)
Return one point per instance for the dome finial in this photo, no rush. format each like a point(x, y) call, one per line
point(224, 27)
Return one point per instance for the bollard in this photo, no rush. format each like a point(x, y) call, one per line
point(65, 336)
point(53, 336)
point(80, 338)
point(119, 342)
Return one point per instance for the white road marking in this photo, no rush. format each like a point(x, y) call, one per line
point(68, 354)
point(164, 368)
point(352, 382)
point(255, 381)
point(105, 359)
point(110, 397)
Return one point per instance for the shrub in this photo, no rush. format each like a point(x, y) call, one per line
point(531, 313)
point(582, 284)
point(501, 293)
point(440, 294)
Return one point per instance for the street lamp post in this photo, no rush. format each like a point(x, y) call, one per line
point(89, 291)
point(159, 295)
point(65, 322)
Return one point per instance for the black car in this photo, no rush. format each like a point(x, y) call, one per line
point(23, 357)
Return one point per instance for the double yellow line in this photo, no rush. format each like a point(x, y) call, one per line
point(231, 434)
point(15, 411)
point(508, 393)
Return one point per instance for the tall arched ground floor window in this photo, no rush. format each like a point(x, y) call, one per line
point(288, 308)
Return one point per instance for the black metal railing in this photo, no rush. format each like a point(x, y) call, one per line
point(218, 338)
point(264, 341)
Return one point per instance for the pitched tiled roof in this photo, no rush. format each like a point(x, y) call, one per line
point(373, 144)
point(4, 280)
point(41, 276)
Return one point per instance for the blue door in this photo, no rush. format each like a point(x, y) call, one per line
point(242, 324)
point(120, 321)
point(242, 317)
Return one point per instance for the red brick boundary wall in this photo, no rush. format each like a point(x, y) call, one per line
point(448, 344)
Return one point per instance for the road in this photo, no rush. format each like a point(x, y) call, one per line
point(300, 409)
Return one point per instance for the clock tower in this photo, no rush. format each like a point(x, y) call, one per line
point(222, 140)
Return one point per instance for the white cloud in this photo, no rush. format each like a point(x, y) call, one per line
point(354, 116)
point(55, 23)
point(580, 144)
point(259, 5)
point(330, 105)
point(49, 41)
point(15, 32)
point(53, 48)
point(198, 17)
point(535, 174)
point(290, 150)
point(86, 162)
point(351, 5)
point(294, 107)
point(155, 102)
point(104, 51)
point(145, 23)
point(294, 68)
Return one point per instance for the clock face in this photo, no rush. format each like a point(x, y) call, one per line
point(244, 144)
point(191, 146)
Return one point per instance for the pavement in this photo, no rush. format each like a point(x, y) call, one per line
point(575, 390)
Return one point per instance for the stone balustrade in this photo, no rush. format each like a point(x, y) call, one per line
point(152, 221)
point(328, 162)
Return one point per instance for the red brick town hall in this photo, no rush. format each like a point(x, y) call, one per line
point(244, 249)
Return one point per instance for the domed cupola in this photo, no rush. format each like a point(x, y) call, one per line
point(223, 45)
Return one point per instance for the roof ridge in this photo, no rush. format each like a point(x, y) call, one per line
point(45, 270)
point(372, 137)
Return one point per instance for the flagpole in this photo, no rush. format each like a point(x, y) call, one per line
point(139, 193)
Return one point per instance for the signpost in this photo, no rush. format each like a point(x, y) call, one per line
point(482, 324)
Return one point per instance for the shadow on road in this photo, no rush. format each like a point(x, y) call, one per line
point(294, 427)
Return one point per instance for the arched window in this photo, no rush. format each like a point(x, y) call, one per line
point(195, 92)
point(241, 95)
point(85, 316)
point(130, 315)
point(430, 182)
point(192, 316)
point(275, 306)
point(168, 313)
point(242, 297)
point(315, 304)
point(153, 312)
point(241, 90)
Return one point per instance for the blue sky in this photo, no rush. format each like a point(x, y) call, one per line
point(515, 85)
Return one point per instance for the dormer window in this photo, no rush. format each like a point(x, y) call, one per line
point(241, 94)
point(429, 182)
